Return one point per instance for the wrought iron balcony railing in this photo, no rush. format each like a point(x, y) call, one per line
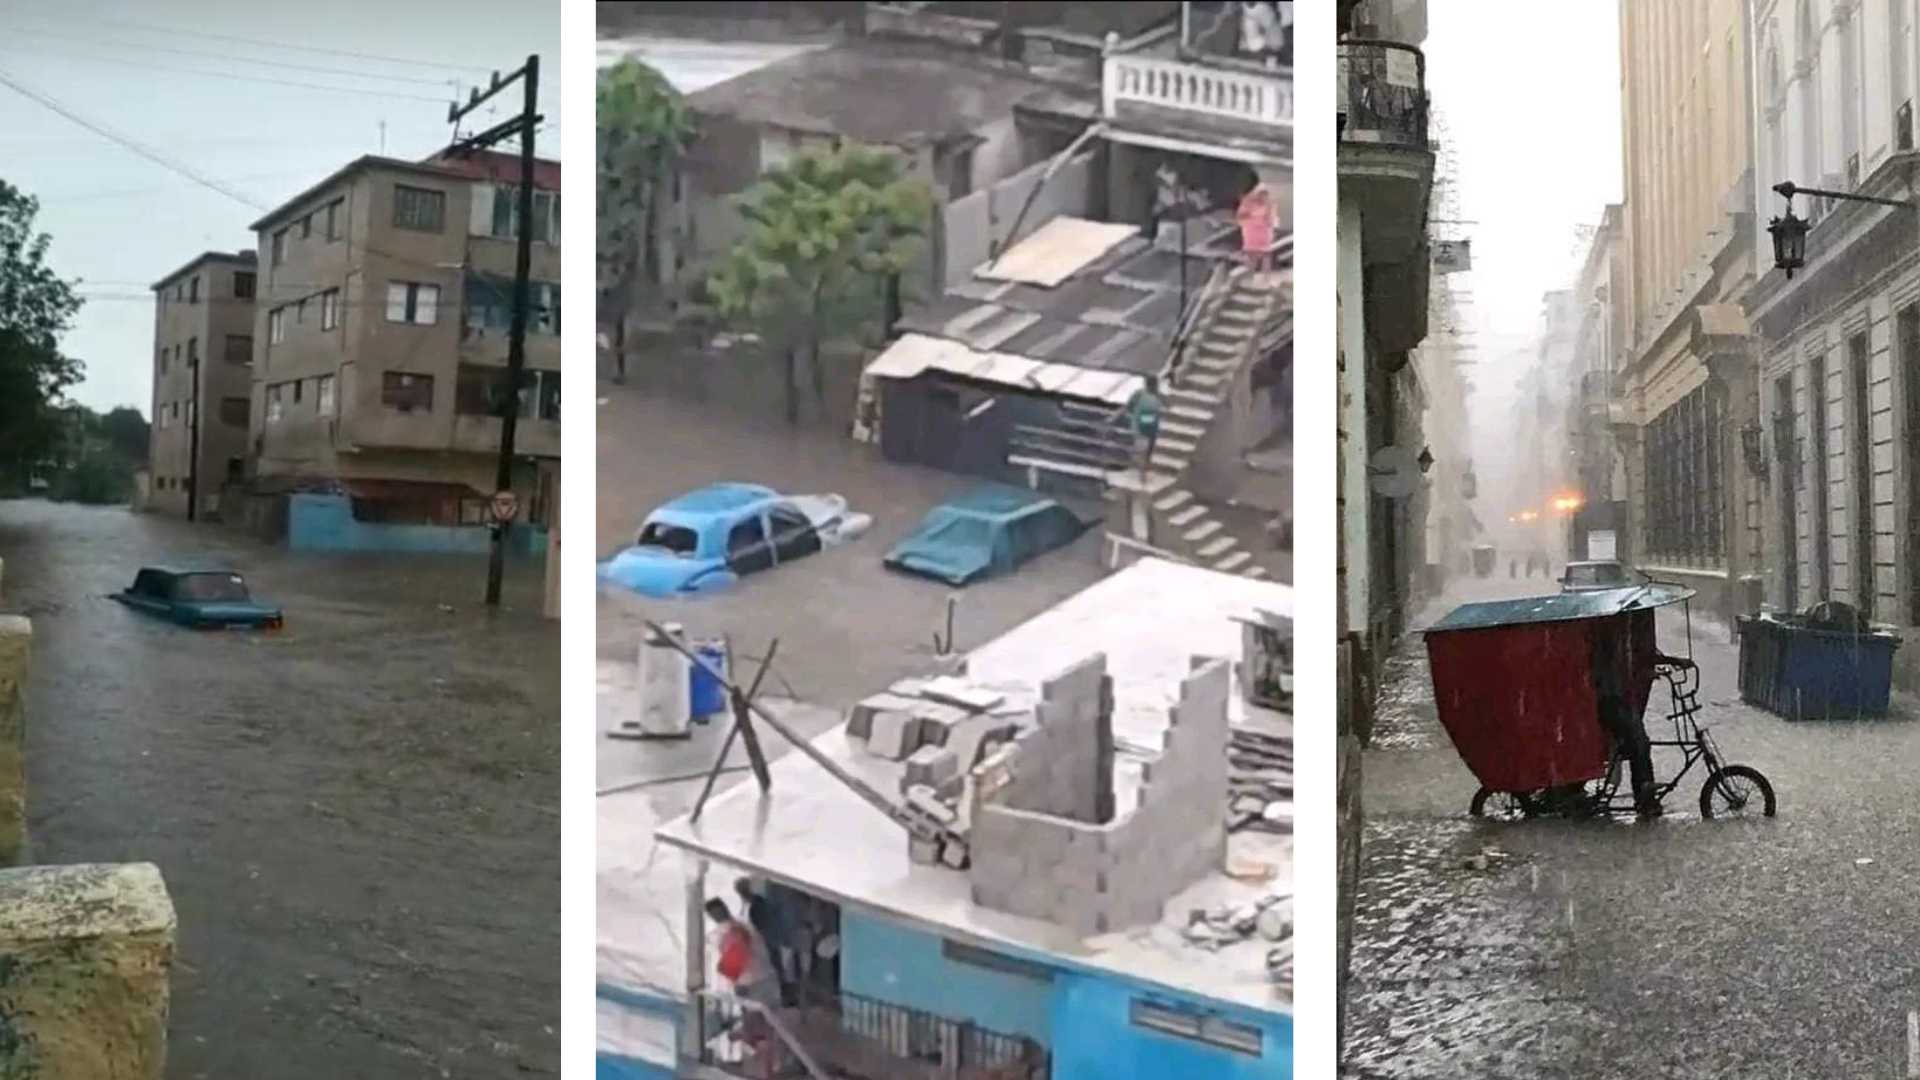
point(845, 1036)
point(1383, 93)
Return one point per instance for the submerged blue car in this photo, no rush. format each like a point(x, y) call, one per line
point(201, 599)
point(709, 538)
point(989, 531)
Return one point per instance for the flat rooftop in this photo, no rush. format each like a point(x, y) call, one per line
point(1150, 620)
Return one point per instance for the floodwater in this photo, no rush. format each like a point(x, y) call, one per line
point(1784, 947)
point(357, 817)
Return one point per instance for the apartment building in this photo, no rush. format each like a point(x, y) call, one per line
point(381, 339)
point(202, 379)
point(1839, 342)
point(1688, 379)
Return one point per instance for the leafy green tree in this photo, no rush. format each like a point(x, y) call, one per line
point(643, 127)
point(36, 307)
point(125, 430)
point(820, 230)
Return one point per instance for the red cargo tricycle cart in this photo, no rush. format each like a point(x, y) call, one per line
point(1538, 696)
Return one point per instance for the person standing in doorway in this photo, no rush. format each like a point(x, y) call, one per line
point(744, 964)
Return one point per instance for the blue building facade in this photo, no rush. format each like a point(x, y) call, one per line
point(325, 523)
point(1095, 1024)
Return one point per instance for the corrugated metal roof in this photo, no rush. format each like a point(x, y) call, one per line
point(1056, 251)
point(914, 354)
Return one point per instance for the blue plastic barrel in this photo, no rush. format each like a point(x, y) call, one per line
point(708, 695)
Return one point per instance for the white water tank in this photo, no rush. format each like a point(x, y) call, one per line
point(666, 692)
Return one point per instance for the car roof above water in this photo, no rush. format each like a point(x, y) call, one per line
point(716, 499)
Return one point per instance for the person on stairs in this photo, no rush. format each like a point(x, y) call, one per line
point(1143, 413)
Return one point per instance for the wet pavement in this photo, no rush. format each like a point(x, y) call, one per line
point(357, 817)
point(847, 626)
point(1685, 948)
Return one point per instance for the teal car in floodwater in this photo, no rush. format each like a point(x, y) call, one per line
point(200, 599)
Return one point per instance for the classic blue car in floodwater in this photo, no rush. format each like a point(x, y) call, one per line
point(709, 538)
point(201, 599)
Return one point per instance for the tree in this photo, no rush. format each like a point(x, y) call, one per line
point(36, 307)
point(126, 431)
point(643, 127)
point(817, 231)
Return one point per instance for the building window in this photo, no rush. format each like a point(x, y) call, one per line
point(193, 289)
point(1199, 1027)
point(333, 219)
point(323, 392)
point(1822, 524)
point(306, 227)
point(276, 407)
point(474, 394)
point(243, 283)
point(1684, 503)
point(233, 411)
point(279, 249)
point(236, 469)
point(238, 349)
point(1860, 373)
point(193, 354)
point(406, 391)
point(541, 399)
point(162, 360)
point(412, 302)
point(973, 956)
point(276, 326)
point(506, 214)
point(419, 209)
point(330, 309)
point(298, 385)
point(489, 305)
point(300, 312)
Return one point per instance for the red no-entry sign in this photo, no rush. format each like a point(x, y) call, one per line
point(505, 506)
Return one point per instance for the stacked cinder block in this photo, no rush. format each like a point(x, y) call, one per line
point(1041, 844)
point(938, 741)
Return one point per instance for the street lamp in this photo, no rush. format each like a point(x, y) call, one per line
point(1790, 232)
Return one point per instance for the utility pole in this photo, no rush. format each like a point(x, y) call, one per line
point(521, 126)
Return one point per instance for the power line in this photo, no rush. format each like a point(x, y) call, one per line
point(231, 58)
point(202, 72)
point(321, 50)
point(128, 142)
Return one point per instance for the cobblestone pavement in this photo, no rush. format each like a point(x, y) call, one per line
point(1681, 948)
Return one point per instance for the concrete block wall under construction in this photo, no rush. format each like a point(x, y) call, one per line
point(1045, 843)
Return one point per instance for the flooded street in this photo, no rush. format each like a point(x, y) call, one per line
point(357, 817)
point(1678, 948)
point(847, 625)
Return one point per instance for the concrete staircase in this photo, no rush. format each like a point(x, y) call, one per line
point(1236, 322)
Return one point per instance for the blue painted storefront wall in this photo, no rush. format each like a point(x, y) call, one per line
point(612, 1066)
point(887, 962)
point(1083, 1017)
point(326, 523)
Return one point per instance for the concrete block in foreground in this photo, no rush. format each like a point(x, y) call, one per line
point(85, 956)
point(16, 656)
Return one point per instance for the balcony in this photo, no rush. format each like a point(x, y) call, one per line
point(1386, 162)
point(848, 1037)
point(1383, 94)
point(1217, 107)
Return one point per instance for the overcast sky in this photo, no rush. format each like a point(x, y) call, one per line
point(203, 82)
point(1535, 132)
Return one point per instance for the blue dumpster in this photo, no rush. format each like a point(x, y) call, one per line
point(708, 695)
point(1805, 673)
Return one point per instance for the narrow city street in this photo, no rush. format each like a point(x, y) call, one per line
point(357, 817)
point(1683, 948)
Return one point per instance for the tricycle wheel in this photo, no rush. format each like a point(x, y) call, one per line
point(1501, 805)
point(1736, 791)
